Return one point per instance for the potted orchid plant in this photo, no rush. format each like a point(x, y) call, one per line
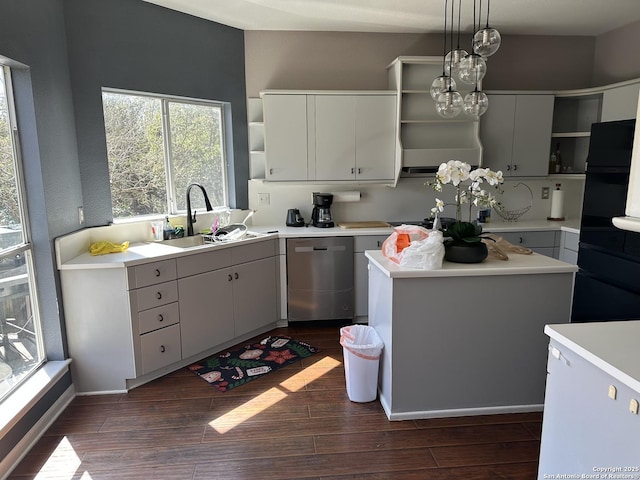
point(469, 192)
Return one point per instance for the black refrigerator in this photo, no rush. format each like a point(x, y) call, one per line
point(607, 285)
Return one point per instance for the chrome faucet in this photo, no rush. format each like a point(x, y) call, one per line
point(192, 219)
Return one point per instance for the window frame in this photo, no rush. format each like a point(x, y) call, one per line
point(26, 247)
point(165, 100)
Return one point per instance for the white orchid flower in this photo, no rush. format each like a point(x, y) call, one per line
point(494, 178)
point(439, 206)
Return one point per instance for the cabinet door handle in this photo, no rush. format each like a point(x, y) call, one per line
point(158, 295)
point(160, 318)
point(515, 167)
point(230, 277)
point(271, 171)
point(353, 170)
point(508, 168)
point(162, 349)
point(157, 272)
point(359, 171)
point(521, 240)
point(236, 275)
point(379, 243)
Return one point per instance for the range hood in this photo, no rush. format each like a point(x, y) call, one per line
point(631, 221)
point(426, 161)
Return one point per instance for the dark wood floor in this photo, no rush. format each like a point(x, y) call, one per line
point(296, 422)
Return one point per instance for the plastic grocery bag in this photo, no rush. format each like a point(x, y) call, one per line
point(400, 239)
point(426, 254)
point(361, 340)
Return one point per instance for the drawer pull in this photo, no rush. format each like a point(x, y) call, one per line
point(158, 295)
point(162, 349)
point(230, 277)
point(157, 272)
point(379, 243)
point(160, 318)
point(236, 275)
point(521, 240)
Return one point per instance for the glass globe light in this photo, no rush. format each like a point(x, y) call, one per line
point(486, 42)
point(442, 84)
point(475, 103)
point(452, 61)
point(449, 104)
point(472, 69)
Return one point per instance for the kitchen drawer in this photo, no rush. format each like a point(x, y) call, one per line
point(154, 296)
point(368, 242)
point(160, 348)
point(204, 262)
point(531, 239)
point(151, 273)
point(570, 241)
point(253, 251)
point(159, 317)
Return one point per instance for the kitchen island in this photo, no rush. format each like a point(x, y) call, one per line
point(467, 339)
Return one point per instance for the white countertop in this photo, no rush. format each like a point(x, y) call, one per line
point(516, 265)
point(611, 346)
point(572, 225)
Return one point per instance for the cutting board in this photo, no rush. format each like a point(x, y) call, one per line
point(370, 224)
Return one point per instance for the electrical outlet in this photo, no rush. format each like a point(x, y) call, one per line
point(81, 215)
point(263, 199)
point(545, 193)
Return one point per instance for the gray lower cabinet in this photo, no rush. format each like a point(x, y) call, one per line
point(361, 271)
point(543, 242)
point(569, 247)
point(128, 325)
point(587, 423)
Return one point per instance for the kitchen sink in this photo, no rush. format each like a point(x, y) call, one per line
point(199, 240)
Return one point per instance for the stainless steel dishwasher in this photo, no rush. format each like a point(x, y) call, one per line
point(320, 278)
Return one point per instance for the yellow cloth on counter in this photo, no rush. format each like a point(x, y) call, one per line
point(100, 248)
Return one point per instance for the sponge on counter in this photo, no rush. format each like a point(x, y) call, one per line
point(100, 248)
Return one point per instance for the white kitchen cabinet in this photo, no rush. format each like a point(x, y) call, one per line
point(343, 136)
point(591, 384)
point(361, 272)
point(285, 137)
point(573, 114)
point(515, 133)
point(620, 102)
point(355, 137)
point(427, 139)
point(255, 295)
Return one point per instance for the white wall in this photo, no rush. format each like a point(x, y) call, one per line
point(410, 200)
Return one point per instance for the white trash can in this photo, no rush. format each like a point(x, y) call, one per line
point(361, 350)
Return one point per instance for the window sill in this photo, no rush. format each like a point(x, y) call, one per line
point(18, 403)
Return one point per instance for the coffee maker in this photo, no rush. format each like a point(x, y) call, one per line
point(321, 213)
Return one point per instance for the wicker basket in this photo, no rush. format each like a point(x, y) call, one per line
point(514, 215)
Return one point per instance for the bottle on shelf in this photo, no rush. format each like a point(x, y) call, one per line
point(558, 166)
point(553, 161)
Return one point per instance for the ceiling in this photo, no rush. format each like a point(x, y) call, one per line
point(525, 17)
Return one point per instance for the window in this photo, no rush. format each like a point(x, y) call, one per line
point(157, 146)
point(21, 345)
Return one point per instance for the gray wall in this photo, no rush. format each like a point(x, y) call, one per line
point(32, 37)
point(338, 60)
point(139, 46)
point(616, 57)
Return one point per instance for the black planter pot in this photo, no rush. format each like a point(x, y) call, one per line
point(469, 253)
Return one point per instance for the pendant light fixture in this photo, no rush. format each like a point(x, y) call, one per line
point(443, 82)
point(468, 68)
point(449, 102)
point(486, 41)
point(454, 57)
point(476, 102)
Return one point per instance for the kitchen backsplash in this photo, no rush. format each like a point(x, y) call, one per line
point(410, 200)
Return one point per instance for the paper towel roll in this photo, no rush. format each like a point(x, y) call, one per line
point(350, 196)
point(557, 205)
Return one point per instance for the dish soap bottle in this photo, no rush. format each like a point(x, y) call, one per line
point(167, 231)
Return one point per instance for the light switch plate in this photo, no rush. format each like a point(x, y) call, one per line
point(545, 193)
point(264, 199)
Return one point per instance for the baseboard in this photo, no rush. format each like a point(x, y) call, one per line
point(462, 412)
point(27, 442)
